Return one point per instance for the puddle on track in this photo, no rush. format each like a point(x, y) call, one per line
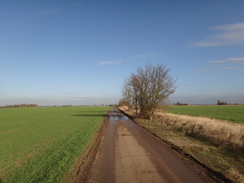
point(117, 115)
point(118, 118)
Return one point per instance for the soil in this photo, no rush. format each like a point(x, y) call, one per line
point(126, 152)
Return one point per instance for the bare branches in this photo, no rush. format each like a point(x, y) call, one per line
point(149, 88)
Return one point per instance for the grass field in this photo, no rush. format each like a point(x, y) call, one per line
point(41, 144)
point(228, 112)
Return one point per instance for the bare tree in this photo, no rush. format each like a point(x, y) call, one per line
point(150, 87)
point(127, 93)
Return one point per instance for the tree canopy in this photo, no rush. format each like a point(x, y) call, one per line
point(147, 89)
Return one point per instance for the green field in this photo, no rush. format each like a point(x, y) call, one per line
point(233, 113)
point(41, 144)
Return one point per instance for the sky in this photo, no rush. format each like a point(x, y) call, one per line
point(79, 52)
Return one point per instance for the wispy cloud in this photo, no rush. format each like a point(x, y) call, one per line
point(218, 69)
point(109, 62)
point(229, 60)
point(232, 68)
point(120, 61)
point(146, 55)
point(230, 34)
point(224, 65)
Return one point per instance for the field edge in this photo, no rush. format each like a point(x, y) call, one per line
point(78, 172)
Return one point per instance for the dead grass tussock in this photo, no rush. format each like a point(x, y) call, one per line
point(222, 133)
point(234, 175)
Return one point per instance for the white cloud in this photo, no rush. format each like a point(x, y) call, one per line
point(109, 63)
point(224, 65)
point(229, 60)
point(237, 59)
point(119, 61)
point(146, 55)
point(230, 27)
point(218, 69)
point(232, 68)
point(217, 61)
point(230, 34)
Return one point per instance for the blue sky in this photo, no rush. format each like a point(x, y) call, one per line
point(78, 52)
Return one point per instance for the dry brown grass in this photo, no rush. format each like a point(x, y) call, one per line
point(223, 133)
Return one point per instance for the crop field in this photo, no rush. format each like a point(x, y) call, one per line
point(42, 144)
point(232, 113)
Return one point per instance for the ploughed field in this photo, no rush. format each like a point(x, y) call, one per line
point(43, 144)
point(232, 113)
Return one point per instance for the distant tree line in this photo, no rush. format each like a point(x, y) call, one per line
point(20, 105)
point(181, 104)
point(221, 103)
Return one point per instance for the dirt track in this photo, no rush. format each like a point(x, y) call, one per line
point(128, 153)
